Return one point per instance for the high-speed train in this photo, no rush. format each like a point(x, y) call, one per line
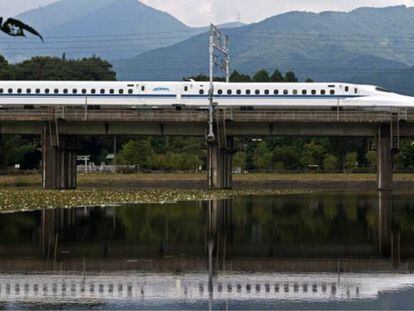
point(193, 94)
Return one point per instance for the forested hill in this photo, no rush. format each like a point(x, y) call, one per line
point(326, 46)
point(112, 29)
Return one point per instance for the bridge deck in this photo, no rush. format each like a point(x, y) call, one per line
point(108, 115)
point(79, 121)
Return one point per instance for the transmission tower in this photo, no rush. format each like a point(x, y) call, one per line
point(218, 43)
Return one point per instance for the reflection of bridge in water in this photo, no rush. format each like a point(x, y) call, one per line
point(218, 269)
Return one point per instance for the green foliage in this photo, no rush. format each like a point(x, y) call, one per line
point(351, 161)
point(238, 77)
point(54, 68)
point(277, 76)
point(138, 153)
point(371, 158)
point(330, 163)
point(261, 76)
point(313, 154)
point(290, 77)
point(262, 158)
point(239, 160)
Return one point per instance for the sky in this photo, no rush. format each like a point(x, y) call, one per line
point(202, 12)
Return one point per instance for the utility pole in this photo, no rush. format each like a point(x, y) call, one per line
point(218, 42)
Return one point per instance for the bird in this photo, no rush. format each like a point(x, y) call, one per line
point(16, 28)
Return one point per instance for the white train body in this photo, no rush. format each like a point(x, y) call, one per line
point(163, 95)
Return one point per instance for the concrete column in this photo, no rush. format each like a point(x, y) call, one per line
point(219, 167)
point(58, 163)
point(384, 158)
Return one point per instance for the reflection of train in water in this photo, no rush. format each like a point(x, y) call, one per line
point(193, 287)
point(192, 94)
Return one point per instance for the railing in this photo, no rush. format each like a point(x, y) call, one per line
point(130, 115)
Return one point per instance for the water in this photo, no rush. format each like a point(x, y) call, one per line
point(319, 251)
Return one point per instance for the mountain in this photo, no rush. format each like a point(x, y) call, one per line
point(324, 46)
point(111, 29)
point(399, 81)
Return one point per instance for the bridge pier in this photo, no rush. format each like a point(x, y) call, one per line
point(384, 158)
point(58, 162)
point(220, 166)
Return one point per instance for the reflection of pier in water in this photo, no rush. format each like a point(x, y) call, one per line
point(328, 273)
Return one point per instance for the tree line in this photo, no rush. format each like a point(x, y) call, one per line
point(183, 153)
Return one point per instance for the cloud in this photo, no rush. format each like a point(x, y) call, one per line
point(202, 12)
point(14, 7)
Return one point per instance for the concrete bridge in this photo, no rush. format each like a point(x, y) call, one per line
point(59, 126)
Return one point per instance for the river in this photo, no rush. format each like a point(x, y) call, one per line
point(316, 250)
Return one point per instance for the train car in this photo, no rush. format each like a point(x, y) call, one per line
point(195, 95)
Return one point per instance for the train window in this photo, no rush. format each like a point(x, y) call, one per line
point(248, 92)
point(28, 91)
point(201, 92)
point(323, 92)
point(112, 91)
point(266, 92)
point(56, 91)
point(185, 88)
point(10, 91)
point(121, 91)
point(346, 88)
point(313, 92)
point(229, 92)
point(102, 91)
point(1, 91)
point(332, 92)
point(130, 91)
point(93, 91)
point(276, 92)
point(304, 92)
point(285, 92)
point(65, 91)
point(47, 91)
point(74, 91)
point(220, 92)
point(37, 91)
point(238, 92)
point(257, 92)
point(19, 91)
point(295, 92)
point(83, 91)
point(356, 91)
point(143, 88)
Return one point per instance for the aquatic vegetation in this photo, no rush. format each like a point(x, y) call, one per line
point(28, 199)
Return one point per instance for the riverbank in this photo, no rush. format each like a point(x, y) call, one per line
point(198, 181)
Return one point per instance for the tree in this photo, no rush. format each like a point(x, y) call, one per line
point(261, 76)
point(330, 162)
point(137, 153)
point(313, 154)
point(262, 158)
point(238, 77)
point(371, 158)
point(351, 161)
point(290, 77)
point(239, 159)
point(277, 76)
point(286, 155)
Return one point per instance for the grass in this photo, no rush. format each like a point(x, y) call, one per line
point(120, 180)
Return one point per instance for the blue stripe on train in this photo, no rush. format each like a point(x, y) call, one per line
point(183, 96)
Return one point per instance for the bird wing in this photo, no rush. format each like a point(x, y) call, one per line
point(16, 23)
